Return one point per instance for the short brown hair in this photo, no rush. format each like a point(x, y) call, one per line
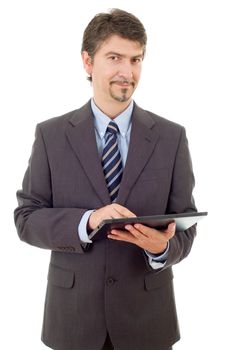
point(117, 22)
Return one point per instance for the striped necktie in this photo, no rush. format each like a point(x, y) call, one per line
point(111, 161)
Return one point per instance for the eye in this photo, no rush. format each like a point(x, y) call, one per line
point(114, 58)
point(137, 60)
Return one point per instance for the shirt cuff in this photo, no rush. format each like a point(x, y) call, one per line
point(82, 227)
point(159, 257)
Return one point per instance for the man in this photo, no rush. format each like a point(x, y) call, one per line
point(108, 159)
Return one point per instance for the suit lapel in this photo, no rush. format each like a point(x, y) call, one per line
point(81, 136)
point(143, 139)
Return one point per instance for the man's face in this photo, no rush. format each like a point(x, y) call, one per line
point(115, 69)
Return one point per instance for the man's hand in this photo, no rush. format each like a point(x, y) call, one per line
point(147, 238)
point(112, 211)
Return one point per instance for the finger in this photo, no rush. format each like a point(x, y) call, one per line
point(171, 229)
point(149, 232)
point(116, 214)
point(124, 212)
point(120, 235)
point(134, 231)
point(145, 230)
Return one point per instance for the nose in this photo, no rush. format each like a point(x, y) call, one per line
point(125, 70)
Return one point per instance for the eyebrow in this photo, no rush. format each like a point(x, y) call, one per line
point(120, 55)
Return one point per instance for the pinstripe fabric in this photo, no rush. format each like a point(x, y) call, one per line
point(111, 161)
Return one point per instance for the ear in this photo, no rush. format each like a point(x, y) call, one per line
point(87, 62)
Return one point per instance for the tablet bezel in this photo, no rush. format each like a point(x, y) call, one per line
point(183, 222)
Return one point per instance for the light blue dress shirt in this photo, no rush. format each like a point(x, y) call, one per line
point(123, 122)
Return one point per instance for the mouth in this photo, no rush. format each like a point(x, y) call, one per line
point(123, 84)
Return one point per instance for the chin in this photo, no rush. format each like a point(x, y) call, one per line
point(123, 97)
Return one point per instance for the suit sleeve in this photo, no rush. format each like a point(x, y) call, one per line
point(37, 221)
point(181, 201)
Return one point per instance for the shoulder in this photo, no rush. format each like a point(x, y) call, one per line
point(57, 125)
point(162, 125)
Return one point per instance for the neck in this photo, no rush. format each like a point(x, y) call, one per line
point(112, 109)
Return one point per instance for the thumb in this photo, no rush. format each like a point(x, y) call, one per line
point(171, 229)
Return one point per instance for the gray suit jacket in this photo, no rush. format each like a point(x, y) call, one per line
point(111, 286)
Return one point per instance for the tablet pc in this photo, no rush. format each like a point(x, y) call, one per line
point(160, 222)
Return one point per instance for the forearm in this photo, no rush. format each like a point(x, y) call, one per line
point(38, 220)
point(180, 246)
point(49, 228)
point(181, 200)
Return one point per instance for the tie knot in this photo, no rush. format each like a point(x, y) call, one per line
point(112, 128)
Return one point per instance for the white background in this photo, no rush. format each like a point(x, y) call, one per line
point(187, 78)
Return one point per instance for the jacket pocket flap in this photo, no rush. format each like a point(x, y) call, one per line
point(60, 277)
point(157, 280)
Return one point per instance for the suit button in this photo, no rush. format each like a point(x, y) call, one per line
point(110, 281)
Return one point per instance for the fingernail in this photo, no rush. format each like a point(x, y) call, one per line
point(174, 225)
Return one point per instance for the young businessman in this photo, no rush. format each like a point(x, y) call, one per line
point(108, 159)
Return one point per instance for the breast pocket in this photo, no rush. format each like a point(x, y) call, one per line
point(156, 175)
point(151, 191)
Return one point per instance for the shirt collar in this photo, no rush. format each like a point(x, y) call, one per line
point(101, 120)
